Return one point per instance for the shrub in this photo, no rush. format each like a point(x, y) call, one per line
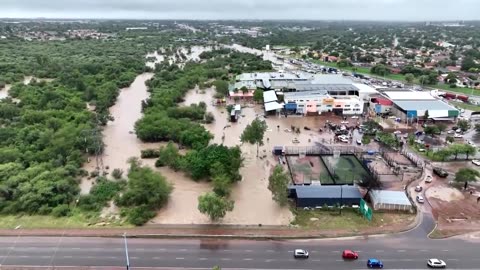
point(117, 173)
point(149, 153)
point(62, 210)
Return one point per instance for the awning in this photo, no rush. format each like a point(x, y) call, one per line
point(272, 106)
point(291, 106)
point(269, 96)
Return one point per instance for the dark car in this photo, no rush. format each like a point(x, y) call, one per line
point(374, 263)
point(440, 172)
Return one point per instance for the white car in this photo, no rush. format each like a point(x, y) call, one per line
point(300, 253)
point(436, 263)
point(397, 132)
point(420, 199)
point(344, 122)
point(476, 162)
point(428, 179)
point(471, 143)
point(450, 131)
point(355, 117)
point(344, 140)
point(458, 130)
point(458, 136)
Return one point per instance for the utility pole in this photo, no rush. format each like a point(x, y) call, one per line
point(126, 250)
point(341, 198)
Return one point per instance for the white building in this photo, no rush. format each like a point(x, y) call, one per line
point(317, 102)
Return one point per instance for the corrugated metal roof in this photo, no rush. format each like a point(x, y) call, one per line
point(408, 95)
point(430, 105)
point(327, 192)
point(271, 106)
point(269, 96)
point(389, 197)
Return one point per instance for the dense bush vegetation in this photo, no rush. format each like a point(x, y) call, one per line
point(44, 137)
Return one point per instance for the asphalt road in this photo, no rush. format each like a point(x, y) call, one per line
point(400, 252)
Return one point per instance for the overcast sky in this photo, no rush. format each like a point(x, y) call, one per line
point(411, 10)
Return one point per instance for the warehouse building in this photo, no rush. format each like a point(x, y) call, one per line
point(314, 196)
point(410, 106)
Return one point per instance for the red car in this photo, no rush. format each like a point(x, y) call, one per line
point(349, 254)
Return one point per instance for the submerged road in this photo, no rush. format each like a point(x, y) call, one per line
point(397, 252)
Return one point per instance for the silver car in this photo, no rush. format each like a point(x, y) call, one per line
point(300, 253)
point(436, 263)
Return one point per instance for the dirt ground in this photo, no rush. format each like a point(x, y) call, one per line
point(398, 158)
point(388, 179)
point(456, 211)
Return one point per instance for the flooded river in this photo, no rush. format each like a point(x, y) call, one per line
point(119, 137)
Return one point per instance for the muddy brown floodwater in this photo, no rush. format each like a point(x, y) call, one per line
point(119, 137)
point(253, 200)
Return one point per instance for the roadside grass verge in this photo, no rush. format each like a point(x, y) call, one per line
point(350, 219)
point(77, 220)
point(466, 106)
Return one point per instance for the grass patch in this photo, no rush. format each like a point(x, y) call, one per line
point(77, 220)
point(350, 219)
point(466, 106)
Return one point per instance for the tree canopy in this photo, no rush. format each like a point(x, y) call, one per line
point(254, 133)
point(215, 206)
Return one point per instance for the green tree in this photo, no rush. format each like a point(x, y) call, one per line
point(380, 69)
point(465, 175)
point(254, 133)
point(214, 206)
point(278, 185)
point(443, 154)
point(464, 125)
point(244, 89)
point(477, 128)
point(457, 149)
point(146, 190)
point(221, 185)
point(450, 139)
point(469, 150)
point(409, 77)
point(441, 127)
point(258, 96)
point(387, 139)
point(426, 115)
point(431, 130)
point(221, 87)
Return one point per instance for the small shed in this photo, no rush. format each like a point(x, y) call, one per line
point(316, 196)
point(390, 200)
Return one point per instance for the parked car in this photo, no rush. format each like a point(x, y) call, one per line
point(436, 263)
point(418, 188)
point(349, 254)
point(420, 199)
point(359, 142)
point(450, 131)
point(440, 172)
point(300, 254)
point(374, 263)
point(458, 136)
point(476, 162)
point(397, 132)
point(355, 117)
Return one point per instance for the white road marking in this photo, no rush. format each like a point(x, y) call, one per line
point(179, 258)
point(248, 250)
point(339, 260)
point(203, 259)
point(401, 250)
point(247, 259)
point(446, 250)
point(269, 250)
point(316, 260)
point(269, 260)
point(225, 259)
point(157, 258)
point(183, 249)
point(226, 250)
point(68, 257)
point(336, 251)
point(135, 258)
point(423, 250)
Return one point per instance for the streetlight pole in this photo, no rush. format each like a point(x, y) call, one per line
point(126, 250)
